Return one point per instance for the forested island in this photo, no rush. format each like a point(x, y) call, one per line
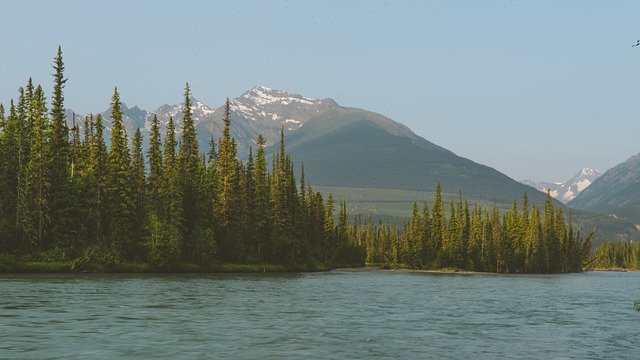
point(70, 203)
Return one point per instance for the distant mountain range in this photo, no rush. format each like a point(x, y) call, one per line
point(566, 191)
point(378, 165)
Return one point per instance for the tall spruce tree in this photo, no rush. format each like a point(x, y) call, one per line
point(58, 154)
point(96, 211)
point(9, 139)
point(228, 199)
point(137, 182)
point(189, 169)
point(22, 219)
point(37, 178)
point(439, 226)
point(165, 239)
point(261, 201)
point(154, 156)
point(248, 195)
point(328, 240)
point(2, 119)
point(121, 206)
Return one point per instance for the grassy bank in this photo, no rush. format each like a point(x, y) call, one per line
point(70, 267)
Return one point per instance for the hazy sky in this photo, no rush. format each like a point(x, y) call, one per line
point(535, 89)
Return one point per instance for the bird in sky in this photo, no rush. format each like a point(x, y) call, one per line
point(636, 44)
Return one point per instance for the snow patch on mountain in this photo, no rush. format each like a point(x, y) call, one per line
point(567, 191)
point(583, 184)
point(262, 95)
point(265, 104)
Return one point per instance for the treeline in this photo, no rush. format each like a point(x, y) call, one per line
point(480, 239)
point(65, 195)
point(616, 255)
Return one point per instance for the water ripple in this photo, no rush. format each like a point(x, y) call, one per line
point(341, 314)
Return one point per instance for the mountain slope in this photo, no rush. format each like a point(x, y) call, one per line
point(356, 148)
point(619, 187)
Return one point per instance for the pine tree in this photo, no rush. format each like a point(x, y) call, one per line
point(329, 230)
point(439, 226)
point(189, 169)
point(58, 154)
point(22, 218)
point(37, 179)
point(248, 194)
point(416, 233)
point(4, 224)
point(121, 206)
point(315, 204)
point(488, 246)
point(2, 119)
point(213, 154)
point(514, 239)
point(170, 143)
point(137, 182)
point(549, 241)
point(154, 155)
point(343, 234)
point(165, 239)
point(96, 213)
point(474, 251)
point(500, 241)
point(534, 251)
point(228, 200)
point(205, 245)
point(9, 144)
point(425, 253)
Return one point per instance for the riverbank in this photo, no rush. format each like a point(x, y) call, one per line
point(71, 267)
point(616, 269)
point(405, 269)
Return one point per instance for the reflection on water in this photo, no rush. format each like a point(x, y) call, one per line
point(339, 314)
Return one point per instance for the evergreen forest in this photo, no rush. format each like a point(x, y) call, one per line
point(619, 255)
point(69, 202)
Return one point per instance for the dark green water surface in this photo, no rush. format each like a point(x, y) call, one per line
point(332, 315)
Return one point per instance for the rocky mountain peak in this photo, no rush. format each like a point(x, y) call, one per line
point(263, 104)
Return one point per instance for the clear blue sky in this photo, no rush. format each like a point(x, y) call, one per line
point(535, 89)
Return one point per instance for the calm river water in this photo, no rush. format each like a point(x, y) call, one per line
point(332, 315)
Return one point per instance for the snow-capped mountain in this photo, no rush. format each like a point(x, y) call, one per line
point(263, 111)
point(566, 191)
point(259, 111)
point(262, 104)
